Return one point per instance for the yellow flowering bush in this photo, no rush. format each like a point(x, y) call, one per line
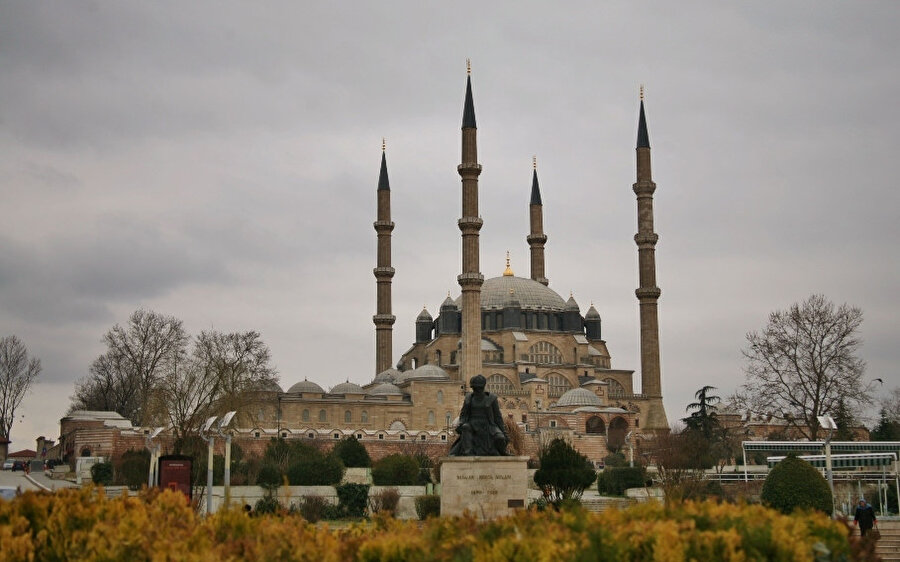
point(85, 525)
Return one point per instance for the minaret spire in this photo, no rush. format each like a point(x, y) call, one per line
point(383, 319)
point(471, 279)
point(648, 293)
point(536, 239)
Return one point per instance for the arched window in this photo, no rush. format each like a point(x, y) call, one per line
point(498, 384)
point(440, 397)
point(348, 416)
point(364, 416)
point(305, 416)
point(448, 417)
point(437, 357)
point(544, 352)
point(85, 452)
point(323, 416)
point(616, 390)
point(430, 417)
point(559, 385)
point(595, 425)
point(615, 437)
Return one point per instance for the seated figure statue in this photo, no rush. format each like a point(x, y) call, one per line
point(481, 429)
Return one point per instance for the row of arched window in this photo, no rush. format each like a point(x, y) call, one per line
point(348, 416)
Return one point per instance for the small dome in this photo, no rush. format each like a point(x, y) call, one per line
point(448, 303)
point(269, 386)
point(306, 386)
point(488, 345)
point(571, 304)
point(387, 375)
point(424, 316)
point(386, 389)
point(592, 314)
point(578, 397)
point(347, 388)
point(428, 371)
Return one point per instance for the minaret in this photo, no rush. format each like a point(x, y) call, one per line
point(537, 238)
point(648, 293)
point(471, 279)
point(384, 320)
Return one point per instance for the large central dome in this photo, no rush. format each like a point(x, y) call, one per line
point(531, 295)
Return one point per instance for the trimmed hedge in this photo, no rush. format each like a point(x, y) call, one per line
point(795, 484)
point(396, 470)
point(564, 470)
point(614, 481)
point(84, 525)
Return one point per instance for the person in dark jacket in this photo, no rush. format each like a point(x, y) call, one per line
point(865, 517)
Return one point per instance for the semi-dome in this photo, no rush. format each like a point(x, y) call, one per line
point(347, 388)
point(387, 375)
point(386, 389)
point(530, 294)
point(427, 371)
point(306, 386)
point(578, 397)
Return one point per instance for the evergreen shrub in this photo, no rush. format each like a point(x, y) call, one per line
point(315, 469)
point(353, 499)
point(102, 473)
point(564, 471)
point(134, 468)
point(352, 453)
point(793, 484)
point(395, 470)
point(614, 481)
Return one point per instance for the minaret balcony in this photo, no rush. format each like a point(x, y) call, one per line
point(383, 226)
point(384, 319)
point(536, 239)
point(470, 224)
point(647, 293)
point(470, 280)
point(384, 272)
point(646, 240)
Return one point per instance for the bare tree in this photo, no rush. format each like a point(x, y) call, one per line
point(238, 362)
point(17, 373)
point(804, 363)
point(137, 357)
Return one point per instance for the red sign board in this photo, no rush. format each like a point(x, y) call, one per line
point(175, 473)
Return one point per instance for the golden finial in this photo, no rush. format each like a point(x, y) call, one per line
point(469, 67)
point(642, 92)
point(448, 294)
point(508, 272)
point(383, 145)
point(534, 161)
point(571, 294)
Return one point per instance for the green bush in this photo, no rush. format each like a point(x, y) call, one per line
point(102, 473)
point(134, 468)
point(395, 470)
point(352, 453)
point(614, 460)
point(794, 483)
point(564, 471)
point(316, 469)
point(353, 499)
point(614, 481)
point(269, 477)
point(428, 506)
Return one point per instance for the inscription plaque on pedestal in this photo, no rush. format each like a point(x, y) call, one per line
point(488, 487)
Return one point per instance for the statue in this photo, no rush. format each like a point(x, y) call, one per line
point(481, 429)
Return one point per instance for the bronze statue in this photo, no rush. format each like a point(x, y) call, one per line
point(481, 429)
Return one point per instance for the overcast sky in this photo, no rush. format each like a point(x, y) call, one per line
point(217, 161)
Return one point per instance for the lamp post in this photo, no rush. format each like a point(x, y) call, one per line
point(210, 440)
point(226, 419)
point(154, 454)
point(827, 422)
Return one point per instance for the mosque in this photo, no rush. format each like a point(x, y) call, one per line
point(547, 363)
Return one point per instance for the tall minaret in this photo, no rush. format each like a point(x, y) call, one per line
point(537, 238)
point(384, 320)
point(471, 279)
point(648, 293)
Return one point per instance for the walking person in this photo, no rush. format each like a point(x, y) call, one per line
point(865, 517)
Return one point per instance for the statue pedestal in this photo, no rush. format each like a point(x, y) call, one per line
point(489, 487)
